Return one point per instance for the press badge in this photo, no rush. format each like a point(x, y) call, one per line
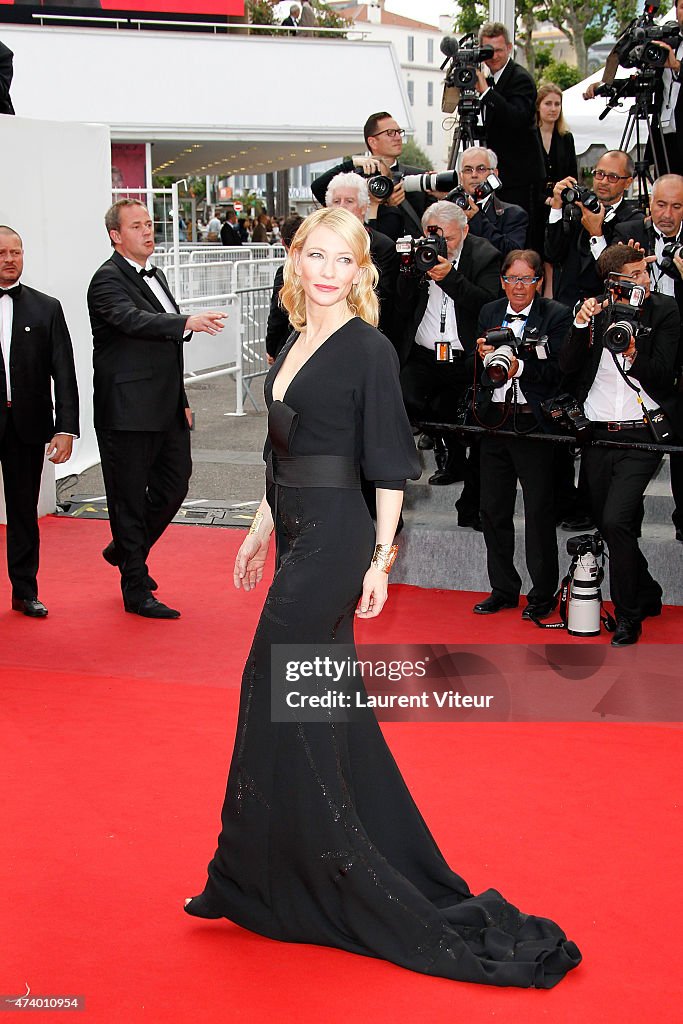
point(442, 350)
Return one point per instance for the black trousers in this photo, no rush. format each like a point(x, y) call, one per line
point(22, 466)
point(504, 461)
point(146, 477)
point(676, 469)
point(617, 479)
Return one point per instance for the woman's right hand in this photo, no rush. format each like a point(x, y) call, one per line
point(250, 561)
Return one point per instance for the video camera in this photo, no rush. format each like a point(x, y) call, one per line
point(461, 197)
point(381, 186)
point(625, 300)
point(463, 59)
point(637, 46)
point(419, 255)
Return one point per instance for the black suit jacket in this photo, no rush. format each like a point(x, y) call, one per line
point(40, 353)
point(654, 366)
point(6, 71)
point(548, 320)
point(575, 274)
point(138, 351)
point(392, 221)
point(475, 282)
point(510, 127)
point(560, 162)
point(229, 234)
point(504, 225)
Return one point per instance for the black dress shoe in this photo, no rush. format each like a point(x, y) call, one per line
point(150, 608)
point(539, 610)
point(425, 443)
point(442, 477)
point(471, 519)
point(109, 555)
point(493, 604)
point(626, 633)
point(580, 522)
point(32, 607)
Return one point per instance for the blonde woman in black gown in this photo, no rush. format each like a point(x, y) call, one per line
point(321, 841)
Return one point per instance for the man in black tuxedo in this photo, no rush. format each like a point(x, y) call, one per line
point(533, 375)
point(292, 19)
point(438, 309)
point(502, 224)
point(6, 72)
point(661, 228)
point(400, 213)
point(573, 248)
point(142, 416)
point(229, 232)
point(508, 102)
point(610, 385)
point(35, 351)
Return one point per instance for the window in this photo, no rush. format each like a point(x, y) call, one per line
point(430, 133)
point(430, 94)
point(430, 51)
point(411, 92)
point(411, 48)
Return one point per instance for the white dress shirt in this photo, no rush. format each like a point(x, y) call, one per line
point(661, 283)
point(610, 399)
point(429, 330)
point(6, 320)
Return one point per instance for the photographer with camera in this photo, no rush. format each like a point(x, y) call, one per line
point(438, 309)
point(519, 343)
point(400, 212)
point(582, 223)
point(508, 103)
point(622, 349)
point(504, 225)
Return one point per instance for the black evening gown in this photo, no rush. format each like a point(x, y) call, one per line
point(321, 841)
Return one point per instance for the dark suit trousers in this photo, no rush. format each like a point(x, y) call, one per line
point(146, 477)
point(22, 465)
point(617, 479)
point(504, 461)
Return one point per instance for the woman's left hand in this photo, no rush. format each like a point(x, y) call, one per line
point(375, 588)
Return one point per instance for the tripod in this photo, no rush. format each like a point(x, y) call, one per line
point(467, 131)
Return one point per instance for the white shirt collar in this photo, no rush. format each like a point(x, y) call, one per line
point(136, 266)
point(523, 312)
point(497, 75)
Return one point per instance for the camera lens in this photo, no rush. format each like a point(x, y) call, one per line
point(617, 336)
point(381, 186)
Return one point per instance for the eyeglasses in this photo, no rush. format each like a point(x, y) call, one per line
point(521, 280)
point(391, 132)
point(465, 169)
point(610, 176)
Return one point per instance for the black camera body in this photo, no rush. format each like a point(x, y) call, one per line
point(485, 188)
point(381, 186)
point(573, 194)
point(623, 313)
point(563, 411)
point(465, 58)
point(585, 543)
point(637, 46)
point(419, 255)
point(666, 263)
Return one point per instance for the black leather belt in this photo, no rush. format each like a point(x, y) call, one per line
point(313, 471)
point(621, 425)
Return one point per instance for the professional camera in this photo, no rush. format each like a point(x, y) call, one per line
point(578, 194)
point(585, 576)
point(381, 186)
point(637, 46)
point(666, 263)
point(564, 411)
point(418, 255)
point(623, 313)
point(497, 364)
point(465, 58)
point(485, 188)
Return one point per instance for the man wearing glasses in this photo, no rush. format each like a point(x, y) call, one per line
point(615, 388)
point(502, 224)
point(542, 326)
point(573, 248)
point(400, 213)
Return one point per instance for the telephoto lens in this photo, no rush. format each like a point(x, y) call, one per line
point(431, 182)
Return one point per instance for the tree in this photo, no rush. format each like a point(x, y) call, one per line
point(471, 15)
point(412, 154)
point(583, 22)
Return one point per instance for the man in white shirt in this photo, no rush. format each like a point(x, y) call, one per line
point(612, 386)
point(142, 416)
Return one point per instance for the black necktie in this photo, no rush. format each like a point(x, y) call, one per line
point(152, 272)
point(12, 292)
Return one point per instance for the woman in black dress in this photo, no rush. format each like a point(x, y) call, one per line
point(558, 152)
point(321, 841)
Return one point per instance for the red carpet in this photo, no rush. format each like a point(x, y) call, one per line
point(115, 770)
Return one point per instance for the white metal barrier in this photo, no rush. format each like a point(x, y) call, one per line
point(222, 351)
point(253, 285)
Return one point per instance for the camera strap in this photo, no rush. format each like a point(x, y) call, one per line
point(647, 413)
point(410, 215)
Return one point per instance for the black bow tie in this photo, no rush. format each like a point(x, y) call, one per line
point(515, 316)
point(152, 272)
point(12, 292)
point(667, 238)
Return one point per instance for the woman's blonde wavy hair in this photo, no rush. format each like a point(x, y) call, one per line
point(361, 300)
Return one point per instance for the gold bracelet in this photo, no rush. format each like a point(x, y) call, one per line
point(258, 519)
point(384, 557)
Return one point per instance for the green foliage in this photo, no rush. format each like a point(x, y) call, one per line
point(561, 74)
point(260, 12)
point(544, 57)
point(327, 18)
point(412, 154)
point(471, 14)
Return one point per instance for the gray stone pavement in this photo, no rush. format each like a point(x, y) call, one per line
point(226, 450)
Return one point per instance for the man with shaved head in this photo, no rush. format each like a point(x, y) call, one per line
point(35, 352)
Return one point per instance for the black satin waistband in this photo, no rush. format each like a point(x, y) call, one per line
point(313, 471)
